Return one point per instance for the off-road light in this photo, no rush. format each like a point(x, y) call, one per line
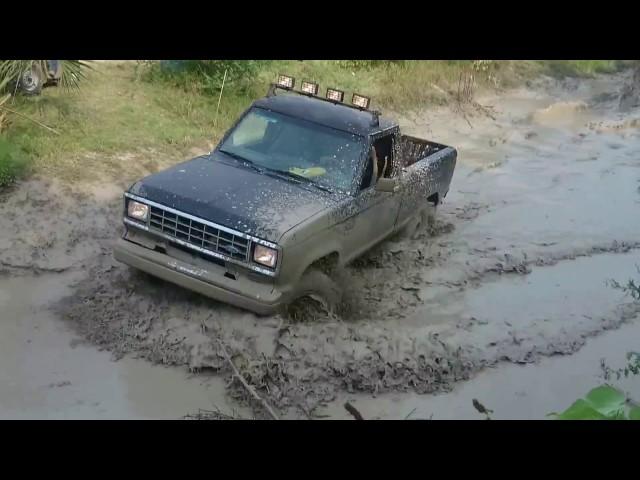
point(265, 256)
point(360, 101)
point(310, 87)
point(285, 81)
point(138, 211)
point(335, 95)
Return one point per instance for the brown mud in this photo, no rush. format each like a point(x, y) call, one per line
point(547, 179)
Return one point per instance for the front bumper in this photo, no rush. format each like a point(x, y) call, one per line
point(258, 297)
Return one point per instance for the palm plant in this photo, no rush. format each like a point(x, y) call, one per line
point(3, 99)
point(34, 73)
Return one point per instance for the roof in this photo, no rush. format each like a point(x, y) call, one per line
point(334, 115)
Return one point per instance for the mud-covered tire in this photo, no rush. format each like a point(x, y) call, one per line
point(320, 286)
point(31, 81)
point(421, 221)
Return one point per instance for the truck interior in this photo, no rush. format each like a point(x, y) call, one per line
point(384, 152)
point(380, 161)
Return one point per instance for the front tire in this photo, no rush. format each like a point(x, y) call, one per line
point(319, 286)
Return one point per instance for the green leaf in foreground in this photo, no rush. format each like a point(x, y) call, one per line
point(601, 403)
point(606, 400)
point(634, 414)
point(580, 410)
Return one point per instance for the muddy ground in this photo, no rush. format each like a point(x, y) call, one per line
point(542, 212)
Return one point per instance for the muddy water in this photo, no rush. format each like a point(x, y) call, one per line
point(554, 298)
point(540, 214)
point(45, 374)
point(513, 392)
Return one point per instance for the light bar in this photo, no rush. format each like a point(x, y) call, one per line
point(361, 101)
point(309, 87)
point(335, 95)
point(285, 81)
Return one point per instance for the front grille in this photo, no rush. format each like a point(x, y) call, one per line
point(198, 234)
point(198, 253)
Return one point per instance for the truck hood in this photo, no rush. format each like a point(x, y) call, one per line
point(212, 188)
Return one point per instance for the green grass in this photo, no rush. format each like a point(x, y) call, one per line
point(13, 162)
point(121, 109)
point(582, 68)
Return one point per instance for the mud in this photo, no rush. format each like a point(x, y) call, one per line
point(547, 181)
point(46, 374)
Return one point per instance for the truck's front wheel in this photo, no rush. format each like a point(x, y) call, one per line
point(319, 286)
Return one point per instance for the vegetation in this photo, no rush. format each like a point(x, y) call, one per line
point(73, 71)
point(601, 403)
point(13, 162)
point(582, 68)
point(169, 108)
point(13, 158)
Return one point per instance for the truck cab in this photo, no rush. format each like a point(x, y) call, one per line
point(299, 185)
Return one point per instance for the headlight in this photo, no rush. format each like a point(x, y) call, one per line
point(138, 211)
point(265, 256)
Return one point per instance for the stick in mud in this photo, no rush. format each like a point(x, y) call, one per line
point(353, 411)
point(249, 388)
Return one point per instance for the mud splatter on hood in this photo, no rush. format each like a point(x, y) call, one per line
point(233, 196)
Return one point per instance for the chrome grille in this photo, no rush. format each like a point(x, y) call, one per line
point(198, 234)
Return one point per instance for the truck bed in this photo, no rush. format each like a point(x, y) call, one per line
point(412, 149)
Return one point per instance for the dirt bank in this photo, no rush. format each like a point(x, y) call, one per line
point(546, 175)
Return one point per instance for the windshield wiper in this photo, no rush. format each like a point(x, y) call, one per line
point(244, 161)
point(275, 172)
point(300, 179)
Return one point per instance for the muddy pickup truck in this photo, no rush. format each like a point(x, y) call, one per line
point(299, 186)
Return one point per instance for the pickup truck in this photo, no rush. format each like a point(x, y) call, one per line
point(300, 185)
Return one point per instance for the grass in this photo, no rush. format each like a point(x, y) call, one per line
point(117, 111)
point(582, 68)
point(13, 162)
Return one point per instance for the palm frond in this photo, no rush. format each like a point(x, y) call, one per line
point(11, 70)
point(73, 71)
point(3, 100)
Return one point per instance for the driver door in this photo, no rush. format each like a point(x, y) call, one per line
point(374, 212)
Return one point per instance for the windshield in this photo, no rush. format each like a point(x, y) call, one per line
point(320, 154)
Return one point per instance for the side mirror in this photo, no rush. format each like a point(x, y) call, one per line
point(387, 185)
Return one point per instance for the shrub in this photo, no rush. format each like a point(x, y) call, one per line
point(204, 76)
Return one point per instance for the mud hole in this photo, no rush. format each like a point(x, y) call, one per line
point(522, 199)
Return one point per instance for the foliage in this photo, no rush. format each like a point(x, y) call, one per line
point(3, 100)
point(205, 76)
point(601, 403)
point(632, 367)
point(483, 65)
point(73, 71)
point(367, 64)
point(582, 68)
point(630, 288)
